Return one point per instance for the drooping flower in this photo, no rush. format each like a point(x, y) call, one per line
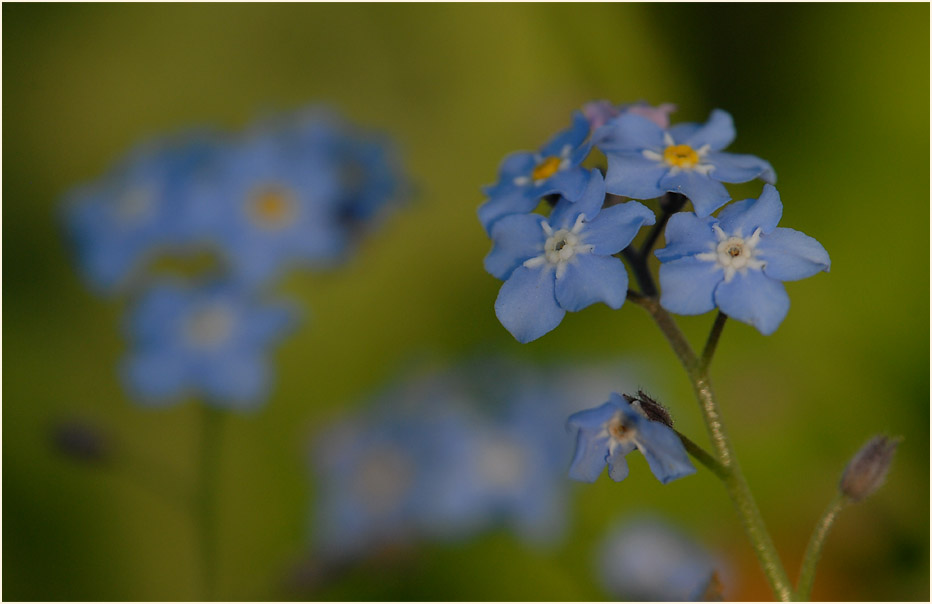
point(525, 177)
point(564, 262)
point(599, 112)
point(212, 342)
point(141, 208)
point(606, 434)
point(646, 160)
point(736, 262)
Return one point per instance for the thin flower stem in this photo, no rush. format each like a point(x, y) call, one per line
point(206, 502)
point(642, 275)
point(814, 549)
point(734, 481)
point(709, 351)
point(702, 456)
point(654, 234)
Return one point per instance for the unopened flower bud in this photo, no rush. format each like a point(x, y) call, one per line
point(868, 468)
point(651, 408)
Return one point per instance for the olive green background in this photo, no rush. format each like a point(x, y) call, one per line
point(834, 96)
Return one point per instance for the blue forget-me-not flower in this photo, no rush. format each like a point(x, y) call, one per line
point(525, 177)
point(606, 434)
point(645, 160)
point(211, 341)
point(563, 262)
point(142, 206)
point(736, 262)
point(599, 112)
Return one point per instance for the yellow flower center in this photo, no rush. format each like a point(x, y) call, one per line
point(617, 428)
point(546, 168)
point(682, 156)
point(272, 207)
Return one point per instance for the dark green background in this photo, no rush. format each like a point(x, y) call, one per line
point(834, 96)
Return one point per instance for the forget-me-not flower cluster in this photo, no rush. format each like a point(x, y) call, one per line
point(230, 215)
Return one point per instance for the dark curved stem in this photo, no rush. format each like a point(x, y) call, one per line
point(709, 351)
point(702, 456)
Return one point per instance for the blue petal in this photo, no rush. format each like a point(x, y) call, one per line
point(633, 175)
point(731, 167)
point(706, 194)
point(681, 132)
point(755, 299)
point(617, 466)
point(589, 458)
point(791, 255)
point(155, 379)
point(628, 133)
point(589, 279)
point(518, 201)
point(717, 132)
point(744, 217)
point(238, 380)
point(616, 227)
point(573, 136)
point(664, 451)
point(526, 305)
point(687, 235)
point(570, 183)
point(520, 163)
point(687, 285)
point(515, 238)
point(564, 214)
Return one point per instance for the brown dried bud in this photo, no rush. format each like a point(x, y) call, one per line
point(868, 468)
point(653, 410)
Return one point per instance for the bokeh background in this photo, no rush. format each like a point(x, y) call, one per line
point(834, 96)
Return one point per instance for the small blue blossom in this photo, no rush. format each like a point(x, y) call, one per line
point(606, 434)
point(524, 177)
point(210, 342)
point(736, 262)
point(645, 160)
point(142, 207)
point(564, 262)
point(273, 203)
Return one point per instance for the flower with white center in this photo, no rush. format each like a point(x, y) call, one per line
point(646, 160)
point(736, 262)
point(525, 177)
point(211, 342)
point(564, 262)
point(606, 434)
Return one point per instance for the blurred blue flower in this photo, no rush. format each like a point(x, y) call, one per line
point(645, 559)
point(564, 262)
point(600, 112)
point(646, 160)
point(736, 262)
point(524, 178)
point(142, 207)
point(606, 434)
point(273, 202)
point(211, 341)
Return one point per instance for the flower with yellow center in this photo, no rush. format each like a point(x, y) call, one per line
point(680, 157)
point(545, 167)
point(272, 207)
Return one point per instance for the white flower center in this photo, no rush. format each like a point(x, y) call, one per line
point(502, 463)
point(209, 327)
point(561, 246)
point(734, 254)
point(383, 479)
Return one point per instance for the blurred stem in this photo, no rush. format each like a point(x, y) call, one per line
point(730, 474)
point(814, 549)
point(211, 426)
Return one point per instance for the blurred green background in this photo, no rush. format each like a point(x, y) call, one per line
point(834, 96)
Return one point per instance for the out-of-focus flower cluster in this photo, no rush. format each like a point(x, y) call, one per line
point(196, 229)
point(448, 454)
